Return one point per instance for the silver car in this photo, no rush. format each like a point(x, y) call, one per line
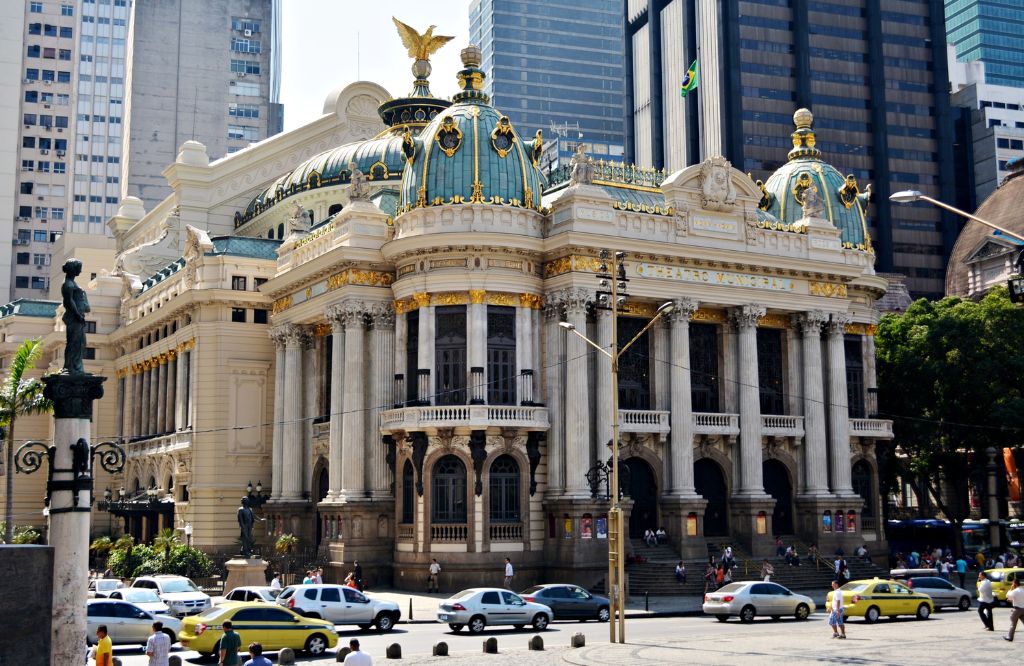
point(480, 607)
point(126, 623)
point(943, 593)
point(752, 598)
point(260, 593)
point(147, 600)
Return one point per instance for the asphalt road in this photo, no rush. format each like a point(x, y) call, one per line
point(701, 640)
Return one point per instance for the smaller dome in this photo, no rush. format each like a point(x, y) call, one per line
point(842, 202)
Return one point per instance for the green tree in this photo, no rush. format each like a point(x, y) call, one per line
point(19, 396)
point(949, 375)
point(284, 546)
point(167, 541)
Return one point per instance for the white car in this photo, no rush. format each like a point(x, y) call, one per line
point(126, 623)
point(749, 599)
point(179, 593)
point(147, 600)
point(253, 593)
point(102, 587)
point(479, 607)
point(341, 605)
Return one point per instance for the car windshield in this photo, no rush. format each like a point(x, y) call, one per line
point(140, 595)
point(731, 587)
point(994, 575)
point(854, 587)
point(271, 594)
point(214, 613)
point(287, 592)
point(179, 585)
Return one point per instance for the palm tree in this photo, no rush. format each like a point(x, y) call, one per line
point(168, 539)
point(19, 396)
point(284, 546)
point(124, 542)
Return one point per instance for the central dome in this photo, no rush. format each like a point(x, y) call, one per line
point(470, 153)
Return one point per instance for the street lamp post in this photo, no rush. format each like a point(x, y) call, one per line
point(612, 296)
point(911, 196)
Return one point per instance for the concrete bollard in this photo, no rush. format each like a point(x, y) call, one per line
point(174, 660)
point(393, 651)
point(340, 655)
point(286, 657)
point(536, 643)
point(577, 641)
point(440, 649)
point(491, 646)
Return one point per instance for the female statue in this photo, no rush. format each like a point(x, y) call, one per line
point(75, 307)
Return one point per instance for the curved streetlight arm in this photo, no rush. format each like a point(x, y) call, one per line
point(661, 311)
point(572, 329)
point(916, 196)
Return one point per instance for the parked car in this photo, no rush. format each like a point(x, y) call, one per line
point(943, 593)
point(100, 588)
point(569, 602)
point(480, 607)
point(874, 598)
point(274, 627)
point(179, 593)
point(265, 594)
point(341, 605)
point(1002, 580)
point(127, 624)
point(749, 599)
point(146, 599)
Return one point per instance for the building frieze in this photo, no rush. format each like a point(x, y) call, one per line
point(348, 276)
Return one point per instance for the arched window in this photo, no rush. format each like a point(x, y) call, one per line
point(335, 208)
point(280, 231)
point(408, 493)
point(449, 491)
point(504, 489)
point(152, 482)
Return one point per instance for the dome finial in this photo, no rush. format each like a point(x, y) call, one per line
point(471, 77)
point(803, 119)
point(471, 56)
point(803, 137)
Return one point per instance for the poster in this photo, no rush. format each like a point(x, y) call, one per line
point(839, 521)
point(587, 527)
point(826, 521)
point(851, 524)
point(602, 527)
point(568, 527)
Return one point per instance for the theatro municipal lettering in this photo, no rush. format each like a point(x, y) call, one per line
point(712, 277)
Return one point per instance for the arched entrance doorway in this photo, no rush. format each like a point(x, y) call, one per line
point(643, 489)
point(710, 484)
point(323, 483)
point(863, 485)
point(777, 484)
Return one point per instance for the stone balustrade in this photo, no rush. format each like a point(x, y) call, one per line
point(473, 417)
point(644, 420)
point(449, 533)
point(512, 532)
point(706, 423)
point(781, 425)
point(174, 441)
point(406, 532)
point(874, 428)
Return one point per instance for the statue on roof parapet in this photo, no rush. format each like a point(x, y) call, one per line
point(582, 167)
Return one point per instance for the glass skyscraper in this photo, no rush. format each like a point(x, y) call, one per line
point(991, 31)
point(555, 64)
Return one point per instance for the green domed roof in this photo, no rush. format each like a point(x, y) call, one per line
point(843, 203)
point(470, 153)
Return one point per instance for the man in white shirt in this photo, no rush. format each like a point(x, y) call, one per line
point(1016, 597)
point(509, 573)
point(158, 646)
point(434, 570)
point(275, 582)
point(357, 657)
point(985, 601)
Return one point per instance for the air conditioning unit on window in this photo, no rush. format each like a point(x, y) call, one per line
point(46, 83)
point(247, 33)
point(44, 151)
point(60, 153)
point(241, 74)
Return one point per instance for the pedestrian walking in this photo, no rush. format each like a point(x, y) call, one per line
point(357, 657)
point(835, 615)
point(275, 582)
point(230, 643)
point(709, 578)
point(1016, 597)
point(104, 647)
point(680, 572)
point(780, 548)
point(256, 657)
point(767, 571)
point(308, 580)
point(158, 645)
point(719, 576)
point(509, 574)
point(985, 601)
point(318, 576)
point(961, 569)
point(434, 570)
point(357, 569)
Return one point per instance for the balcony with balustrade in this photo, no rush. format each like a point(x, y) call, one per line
point(871, 428)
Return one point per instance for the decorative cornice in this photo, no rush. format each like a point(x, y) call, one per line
point(827, 289)
point(773, 320)
point(861, 329)
point(574, 263)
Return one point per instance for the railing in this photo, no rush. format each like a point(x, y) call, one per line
point(705, 423)
point(159, 444)
point(780, 425)
point(448, 416)
point(643, 420)
point(506, 532)
point(877, 428)
point(406, 532)
point(445, 533)
point(612, 172)
point(868, 523)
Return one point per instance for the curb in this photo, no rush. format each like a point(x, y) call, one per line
point(629, 616)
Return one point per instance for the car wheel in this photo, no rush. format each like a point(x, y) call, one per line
point(965, 603)
point(385, 622)
point(540, 621)
point(872, 615)
point(477, 624)
point(747, 614)
point(455, 627)
point(170, 635)
point(923, 612)
point(802, 612)
point(316, 645)
point(603, 614)
point(722, 618)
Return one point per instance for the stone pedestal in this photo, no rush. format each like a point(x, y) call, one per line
point(571, 556)
point(812, 526)
point(751, 524)
point(684, 518)
point(243, 572)
point(366, 534)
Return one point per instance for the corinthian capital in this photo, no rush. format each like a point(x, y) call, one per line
point(810, 322)
point(837, 324)
point(746, 316)
point(576, 300)
point(554, 306)
point(297, 336)
point(682, 311)
point(382, 315)
point(351, 314)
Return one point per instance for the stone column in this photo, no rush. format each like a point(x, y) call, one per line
point(602, 381)
point(729, 386)
point(172, 366)
point(311, 410)
point(401, 341)
point(146, 407)
point(154, 392)
point(476, 346)
point(382, 347)
point(161, 394)
point(745, 320)
point(815, 446)
point(180, 390)
point(554, 348)
point(578, 458)
point(426, 352)
point(681, 399)
point(297, 339)
point(277, 451)
point(136, 429)
point(353, 454)
point(337, 406)
point(838, 412)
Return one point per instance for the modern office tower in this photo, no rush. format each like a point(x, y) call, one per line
point(874, 74)
point(990, 31)
point(207, 70)
point(992, 130)
point(12, 31)
point(555, 65)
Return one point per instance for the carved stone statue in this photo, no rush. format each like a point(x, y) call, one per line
point(246, 519)
point(80, 458)
point(76, 305)
point(357, 190)
point(812, 203)
point(299, 222)
point(582, 167)
point(717, 190)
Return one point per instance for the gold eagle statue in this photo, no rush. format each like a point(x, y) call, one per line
point(420, 46)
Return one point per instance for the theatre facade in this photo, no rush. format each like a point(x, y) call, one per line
point(363, 314)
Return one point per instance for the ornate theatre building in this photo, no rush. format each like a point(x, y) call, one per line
point(363, 314)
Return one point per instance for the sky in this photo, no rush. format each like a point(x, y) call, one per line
point(319, 51)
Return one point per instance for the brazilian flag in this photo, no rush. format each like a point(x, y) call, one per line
point(690, 81)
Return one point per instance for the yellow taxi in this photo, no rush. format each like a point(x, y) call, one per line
point(273, 626)
point(1002, 580)
point(874, 598)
